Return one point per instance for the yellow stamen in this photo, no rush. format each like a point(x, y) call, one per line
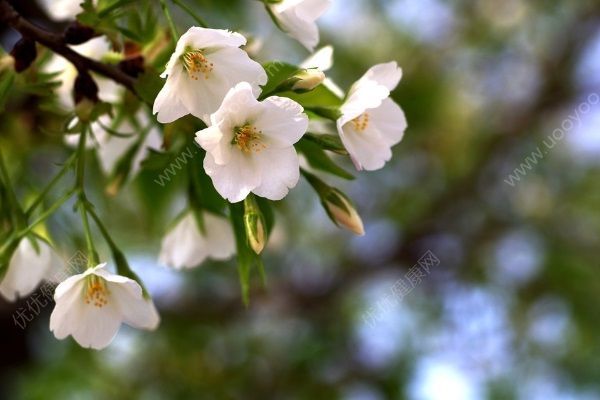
point(361, 122)
point(96, 292)
point(248, 139)
point(196, 64)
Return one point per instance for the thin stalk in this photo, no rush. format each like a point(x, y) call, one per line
point(167, 13)
point(187, 9)
point(48, 212)
point(83, 202)
point(50, 185)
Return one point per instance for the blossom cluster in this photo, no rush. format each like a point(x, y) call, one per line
point(248, 141)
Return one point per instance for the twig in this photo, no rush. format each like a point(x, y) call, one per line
point(57, 44)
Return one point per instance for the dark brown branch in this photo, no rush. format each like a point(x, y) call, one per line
point(57, 44)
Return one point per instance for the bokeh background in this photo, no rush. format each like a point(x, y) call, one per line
point(511, 311)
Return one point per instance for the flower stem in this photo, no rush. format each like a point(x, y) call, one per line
point(167, 13)
point(48, 212)
point(187, 9)
point(50, 185)
point(83, 202)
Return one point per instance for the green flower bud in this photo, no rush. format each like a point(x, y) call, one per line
point(342, 212)
point(254, 224)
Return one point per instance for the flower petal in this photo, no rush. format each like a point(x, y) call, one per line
point(235, 66)
point(368, 149)
point(66, 312)
point(390, 121)
point(219, 236)
point(321, 59)
point(205, 38)
point(235, 180)
point(91, 326)
point(297, 18)
point(211, 140)
point(363, 96)
point(282, 121)
point(137, 311)
point(184, 246)
point(26, 269)
point(168, 103)
point(387, 74)
point(280, 171)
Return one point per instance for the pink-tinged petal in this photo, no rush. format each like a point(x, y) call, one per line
point(280, 172)
point(282, 122)
point(235, 180)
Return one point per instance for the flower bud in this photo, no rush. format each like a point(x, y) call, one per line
point(308, 79)
point(254, 224)
point(342, 212)
point(24, 52)
point(302, 81)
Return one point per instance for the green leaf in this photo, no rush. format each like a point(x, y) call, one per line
point(277, 72)
point(111, 6)
point(320, 96)
point(157, 160)
point(318, 159)
point(328, 142)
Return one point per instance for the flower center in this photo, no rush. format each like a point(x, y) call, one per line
point(96, 292)
point(196, 64)
point(361, 122)
point(248, 139)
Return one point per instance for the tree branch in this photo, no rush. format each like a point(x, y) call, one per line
point(57, 44)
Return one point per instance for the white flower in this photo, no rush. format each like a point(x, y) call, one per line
point(61, 10)
point(28, 266)
point(298, 19)
point(250, 145)
point(205, 65)
point(96, 48)
point(371, 123)
point(91, 307)
point(186, 246)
